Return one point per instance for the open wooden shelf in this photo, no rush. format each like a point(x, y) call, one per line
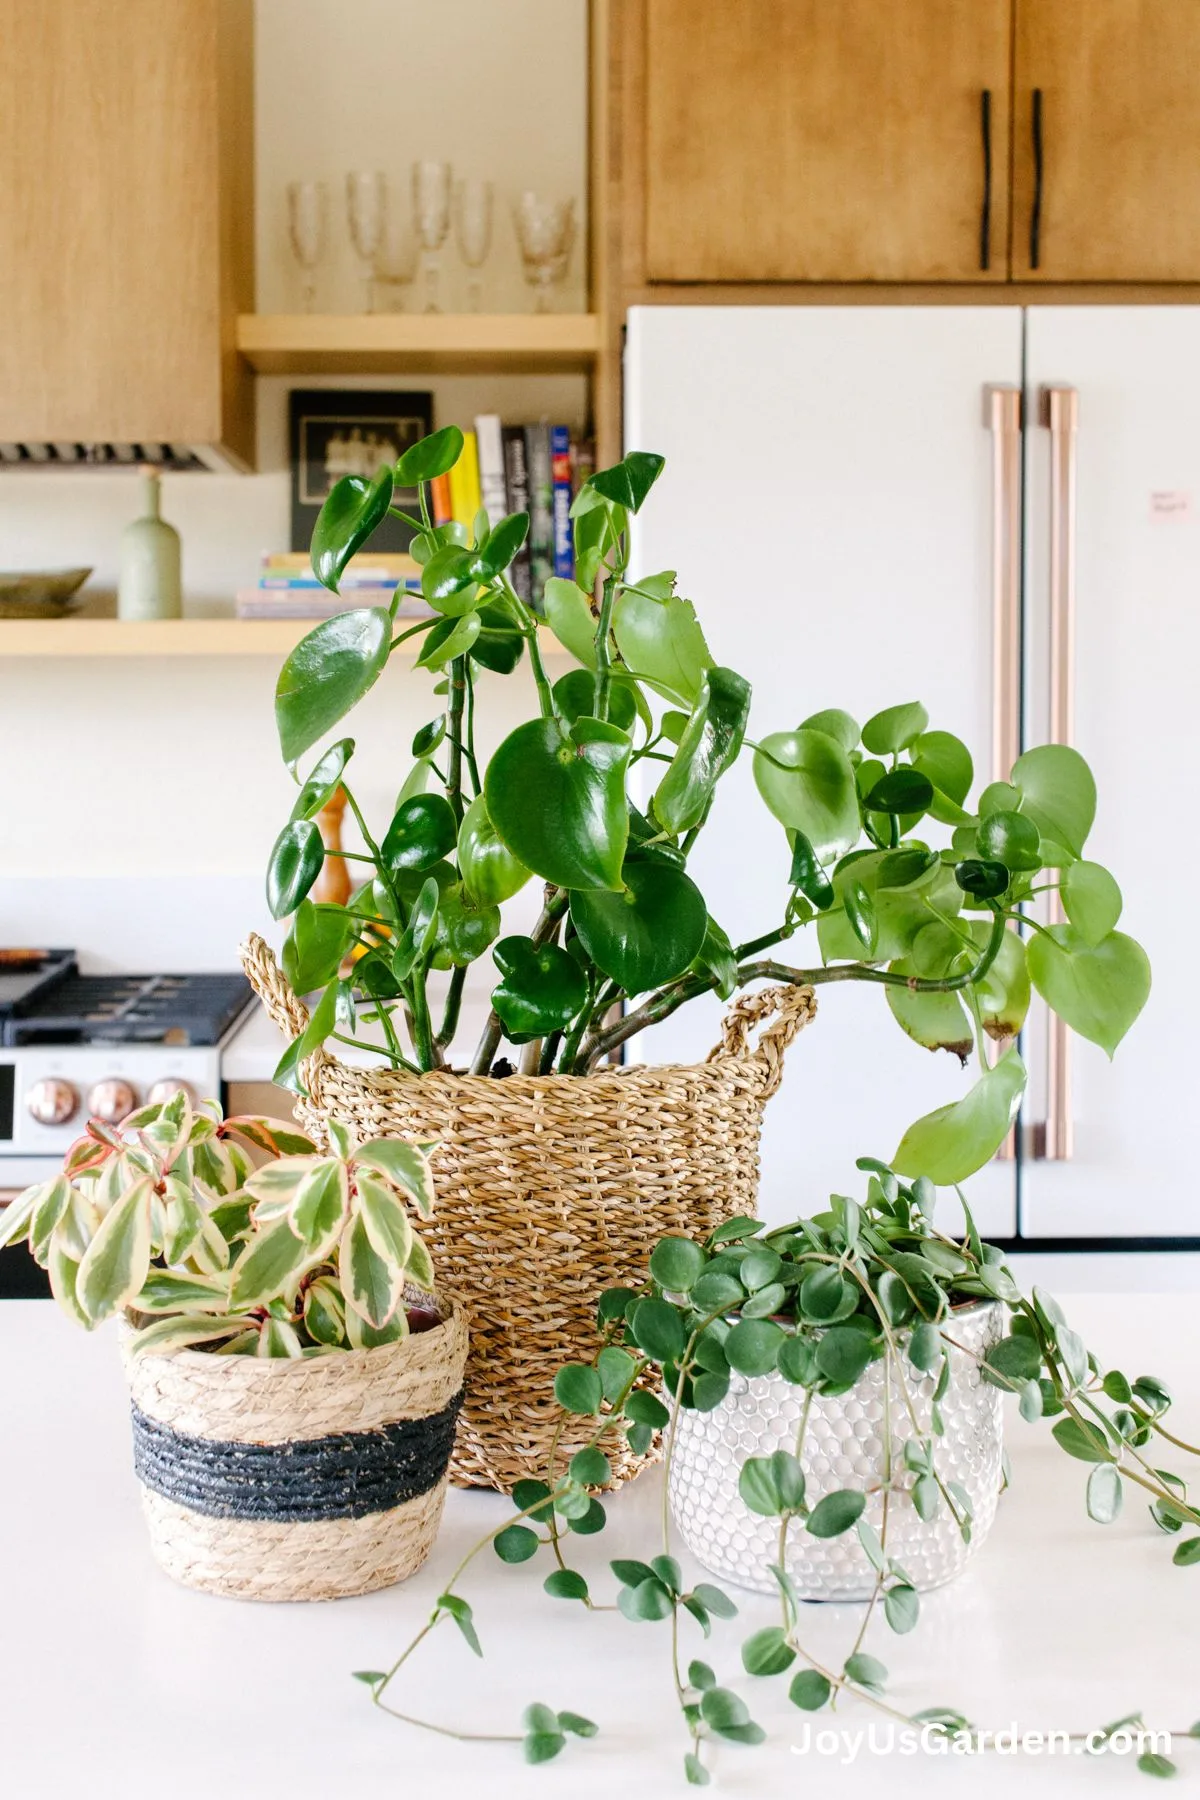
point(171, 637)
point(404, 343)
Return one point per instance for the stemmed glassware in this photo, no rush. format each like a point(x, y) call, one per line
point(473, 228)
point(431, 215)
point(545, 233)
point(395, 260)
point(308, 220)
point(366, 209)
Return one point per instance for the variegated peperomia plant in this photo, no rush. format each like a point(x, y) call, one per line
point(233, 1235)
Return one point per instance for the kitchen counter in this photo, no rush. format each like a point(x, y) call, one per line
point(113, 1677)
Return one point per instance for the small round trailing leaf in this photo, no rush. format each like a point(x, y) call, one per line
point(658, 1330)
point(432, 456)
point(1187, 1553)
point(590, 1467)
point(296, 859)
point(614, 1303)
point(557, 799)
point(826, 1295)
point(648, 933)
point(842, 1354)
point(540, 990)
point(901, 1608)
point(836, 1513)
point(1104, 1494)
point(807, 781)
point(1085, 1442)
point(577, 1388)
point(1015, 1360)
point(767, 1652)
point(322, 784)
point(352, 509)
point(753, 1346)
point(650, 1600)
point(894, 729)
point(528, 1493)
point(723, 1709)
point(1098, 989)
point(901, 791)
point(488, 866)
point(675, 1262)
point(925, 1346)
point(759, 1267)
point(772, 1485)
point(715, 1289)
point(647, 1409)
point(798, 1361)
point(866, 1671)
point(809, 1690)
point(982, 880)
point(422, 833)
point(566, 1584)
point(516, 1544)
point(327, 673)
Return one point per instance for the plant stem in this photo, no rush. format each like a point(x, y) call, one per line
point(469, 746)
point(454, 994)
point(554, 906)
point(603, 650)
point(454, 735)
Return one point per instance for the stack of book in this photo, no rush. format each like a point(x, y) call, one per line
point(536, 469)
point(288, 589)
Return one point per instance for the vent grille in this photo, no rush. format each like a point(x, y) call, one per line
point(173, 457)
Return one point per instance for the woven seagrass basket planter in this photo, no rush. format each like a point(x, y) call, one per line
point(552, 1188)
point(297, 1479)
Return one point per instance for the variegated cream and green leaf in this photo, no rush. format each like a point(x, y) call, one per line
point(237, 1236)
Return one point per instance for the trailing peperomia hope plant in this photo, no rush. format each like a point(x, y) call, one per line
point(907, 882)
point(814, 1305)
point(233, 1235)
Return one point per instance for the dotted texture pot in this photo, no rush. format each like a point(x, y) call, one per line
point(844, 1447)
point(297, 1479)
point(550, 1189)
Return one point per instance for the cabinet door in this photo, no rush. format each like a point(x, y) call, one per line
point(844, 560)
point(1107, 107)
point(798, 140)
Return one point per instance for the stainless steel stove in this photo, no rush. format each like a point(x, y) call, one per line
point(74, 1047)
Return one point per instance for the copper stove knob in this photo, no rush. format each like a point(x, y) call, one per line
point(51, 1101)
point(111, 1101)
point(162, 1091)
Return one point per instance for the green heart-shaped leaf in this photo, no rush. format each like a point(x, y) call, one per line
point(575, 698)
point(1057, 792)
point(807, 781)
point(1099, 989)
point(488, 866)
point(320, 937)
point(648, 933)
point(422, 832)
point(322, 784)
point(895, 728)
point(835, 723)
point(571, 619)
point(935, 1020)
point(295, 863)
point(956, 1140)
point(541, 989)
point(448, 581)
point(628, 482)
point(1003, 994)
point(1091, 900)
point(465, 928)
point(715, 957)
point(710, 744)
point(327, 673)
point(503, 543)
point(431, 456)
point(499, 646)
point(557, 799)
point(661, 641)
point(1010, 838)
point(947, 762)
point(352, 509)
point(417, 940)
point(901, 790)
point(453, 637)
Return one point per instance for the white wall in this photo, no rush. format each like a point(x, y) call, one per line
point(138, 798)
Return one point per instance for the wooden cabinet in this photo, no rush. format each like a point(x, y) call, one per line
point(826, 140)
point(126, 221)
point(1106, 171)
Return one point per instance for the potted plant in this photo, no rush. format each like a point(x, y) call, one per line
point(829, 1395)
point(906, 882)
point(294, 1381)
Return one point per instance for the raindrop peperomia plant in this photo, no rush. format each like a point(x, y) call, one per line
point(233, 1235)
point(816, 1302)
point(865, 814)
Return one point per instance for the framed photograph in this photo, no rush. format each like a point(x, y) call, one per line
point(334, 432)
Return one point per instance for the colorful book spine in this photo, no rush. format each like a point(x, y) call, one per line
point(490, 443)
point(465, 497)
point(516, 500)
point(541, 508)
point(440, 501)
point(560, 475)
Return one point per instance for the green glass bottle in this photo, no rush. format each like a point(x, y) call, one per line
point(148, 580)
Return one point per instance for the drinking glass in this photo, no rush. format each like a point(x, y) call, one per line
point(473, 227)
point(545, 232)
point(366, 207)
point(395, 261)
point(431, 215)
point(308, 219)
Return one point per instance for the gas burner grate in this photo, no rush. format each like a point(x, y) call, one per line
point(134, 1009)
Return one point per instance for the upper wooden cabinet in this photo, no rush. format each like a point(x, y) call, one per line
point(126, 221)
point(1107, 140)
point(826, 140)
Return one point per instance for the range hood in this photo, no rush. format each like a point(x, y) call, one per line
point(174, 458)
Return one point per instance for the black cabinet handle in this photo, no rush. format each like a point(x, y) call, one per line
point(985, 211)
point(1035, 214)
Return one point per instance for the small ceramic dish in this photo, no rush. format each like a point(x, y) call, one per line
point(42, 594)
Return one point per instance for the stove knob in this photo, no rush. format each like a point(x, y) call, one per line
point(111, 1101)
point(163, 1090)
point(51, 1101)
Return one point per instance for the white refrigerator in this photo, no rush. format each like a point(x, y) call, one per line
point(995, 510)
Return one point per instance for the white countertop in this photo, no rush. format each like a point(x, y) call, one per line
point(113, 1681)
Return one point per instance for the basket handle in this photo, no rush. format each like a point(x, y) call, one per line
point(271, 985)
point(788, 1008)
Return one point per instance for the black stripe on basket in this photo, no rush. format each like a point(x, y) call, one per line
point(345, 1476)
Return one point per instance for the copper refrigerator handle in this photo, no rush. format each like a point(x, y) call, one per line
point(1002, 418)
point(1058, 411)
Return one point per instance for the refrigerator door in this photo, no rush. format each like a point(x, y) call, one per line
point(1132, 377)
point(828, 503)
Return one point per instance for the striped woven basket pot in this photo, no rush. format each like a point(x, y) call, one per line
point(550, 1189)
point(297, 1479)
